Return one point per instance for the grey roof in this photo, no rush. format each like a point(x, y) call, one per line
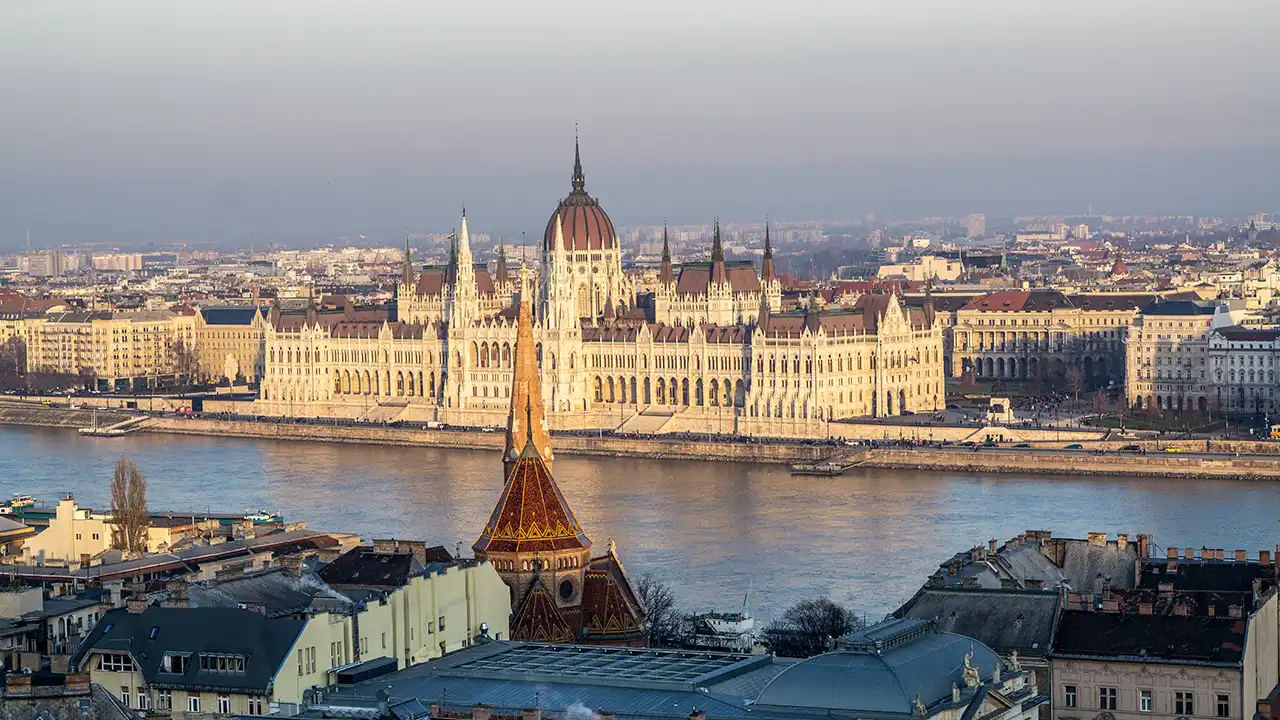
point(278, 591)
point(264, 643)
point(1178, 307)
point(7, 525)
point(923, 664)
point(1004, 620)
point(1086, 566)
point(228, 315)
point(638, 667)
point(1025, 565)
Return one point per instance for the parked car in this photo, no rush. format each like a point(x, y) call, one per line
point(1131, 449)
point(1074, 446)
point(1023, 445)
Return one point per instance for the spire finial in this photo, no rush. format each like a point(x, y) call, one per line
point(579, 182)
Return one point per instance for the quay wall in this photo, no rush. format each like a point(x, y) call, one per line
point(1151, 465)
point(683, 449)
point(1157, 462)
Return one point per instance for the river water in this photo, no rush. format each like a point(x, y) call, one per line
point(867, 539)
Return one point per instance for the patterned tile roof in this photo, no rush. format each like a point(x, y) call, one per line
point(531, 514)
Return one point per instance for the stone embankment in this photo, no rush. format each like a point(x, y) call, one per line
point(1193, 460)
point(1075, 463)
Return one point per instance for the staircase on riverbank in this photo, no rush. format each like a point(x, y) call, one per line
point(647, 422)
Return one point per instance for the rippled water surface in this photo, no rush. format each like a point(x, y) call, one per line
point(868, 539)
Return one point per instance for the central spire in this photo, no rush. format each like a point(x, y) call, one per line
point(527, 422)
point(579, 181)
point(666, 275)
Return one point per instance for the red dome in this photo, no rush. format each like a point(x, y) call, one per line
point(586, 225)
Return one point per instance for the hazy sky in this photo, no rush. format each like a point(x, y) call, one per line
point(259, 121)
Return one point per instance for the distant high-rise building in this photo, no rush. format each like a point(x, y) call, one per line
point(976, 225)
point(1081, 232)
point(44, 263)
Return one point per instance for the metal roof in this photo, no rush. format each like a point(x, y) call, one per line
point(618, 666)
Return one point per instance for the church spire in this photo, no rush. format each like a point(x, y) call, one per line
point(527, 422)
point(579, 181)
point(718, 273)
point(766, 266)
point(666, 275)
point(501, 269)
point(408, 262)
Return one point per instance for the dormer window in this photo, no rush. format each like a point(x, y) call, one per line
point(175, 663)
point(115, 662)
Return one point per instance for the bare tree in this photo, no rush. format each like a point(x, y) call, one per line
point(1075, 381)
point(666, 624)
point(130, 518)
point(13, 357)
point(186, 363)
point(810, 627)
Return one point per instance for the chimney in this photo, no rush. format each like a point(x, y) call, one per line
point(1172, 553)
point(1264, 557)
point(78, 684)
point(1189, 554)
point(257, 607)
point(531, 714)
point(1240, 556)
point(1097, 538)
point(480, 711)
point(1221, 554)
point(17, 685)
point(1122, 541)
point(1179, 610)
point(1213, 611)
point(991, 546)
point(1235, 611)
point(1144, 608)
point(137, 605)
point(178, 596)
point(292, 564)
point(610, 715)
point(328, 555)
point(698, 715)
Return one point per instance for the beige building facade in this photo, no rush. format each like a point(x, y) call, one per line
point(1043, 334)
point(709, 346)
point(1167, 355)
point(115, 350)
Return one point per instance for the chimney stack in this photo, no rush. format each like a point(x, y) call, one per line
point(137, 605)
point(1264, 557)
point(1241, 556)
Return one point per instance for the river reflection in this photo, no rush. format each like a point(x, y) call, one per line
point(868, 539)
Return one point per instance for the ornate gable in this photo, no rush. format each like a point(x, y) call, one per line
point(538, 620)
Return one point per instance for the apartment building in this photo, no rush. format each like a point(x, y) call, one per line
point(115, 350)
point(1197, 637)
point(1167, 355)
point(1242, 364)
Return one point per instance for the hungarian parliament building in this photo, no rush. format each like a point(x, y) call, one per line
point(708, 349)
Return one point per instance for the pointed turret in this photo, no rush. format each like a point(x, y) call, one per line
point(501, 271)
point(762, 319)
point(767, 272)
point(812, 317)
point(311, 304)
point(666, 275)
point(407, 275)
point(718, 272)
point(527, 420)
point(609, 312)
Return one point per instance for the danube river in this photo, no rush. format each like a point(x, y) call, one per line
point(710, 529)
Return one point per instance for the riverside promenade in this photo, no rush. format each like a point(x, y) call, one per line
point(1182, 458)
